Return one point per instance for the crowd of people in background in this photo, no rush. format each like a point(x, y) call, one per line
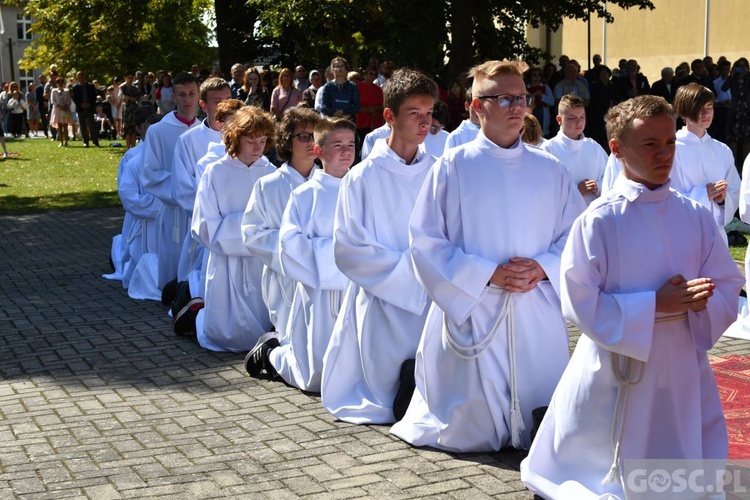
point(357, 93)
point(601, 87)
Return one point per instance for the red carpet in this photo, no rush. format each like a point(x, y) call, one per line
point(733, 377)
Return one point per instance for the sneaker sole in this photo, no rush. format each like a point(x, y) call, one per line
point(254, 362)
point(181, 326)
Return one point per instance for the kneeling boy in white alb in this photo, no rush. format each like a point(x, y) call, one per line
point(584, 158)
point(648, 280)
point(384, 308)
point(306, 250)
point(234, 316)
point(486, 236)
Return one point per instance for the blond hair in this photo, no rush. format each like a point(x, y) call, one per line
point(327, 125)
point(620, 118)
point(488, 70)
point(531, 132)
point(569, 101)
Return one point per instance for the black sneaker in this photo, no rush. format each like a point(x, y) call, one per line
point(184, 322)
point(168, 292)
point(537, 415)
point(405, 389)
point(182, 296)
point(257, 359)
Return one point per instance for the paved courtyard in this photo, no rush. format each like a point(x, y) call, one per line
point(98, 399)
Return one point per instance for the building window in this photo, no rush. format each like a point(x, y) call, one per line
point(25, 78)
point(24, 27)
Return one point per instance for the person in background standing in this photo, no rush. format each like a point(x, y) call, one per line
point(84, 96)
point(41, 99)
point(370, 114)
point(33, 113)
point(285, 95)
point(339, 98)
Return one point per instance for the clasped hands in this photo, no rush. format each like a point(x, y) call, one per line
point(518, 275)
point(717, 191)
point(677, 294)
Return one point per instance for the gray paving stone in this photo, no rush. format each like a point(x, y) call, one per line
point(99, 400)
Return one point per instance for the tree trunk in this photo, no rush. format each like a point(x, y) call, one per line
point(461, 32)
point(234, 33)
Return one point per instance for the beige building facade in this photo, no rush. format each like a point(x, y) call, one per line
point(15, 36)
point(675, 31)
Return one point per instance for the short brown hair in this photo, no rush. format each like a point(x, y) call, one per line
point(690, 99)
point(405, 83)
point(531, 131)
point(486, 71)
point(293, 118)
point(569, 101)
point(620, 118)
point(212, 85)
point(226, 109)
point(248, 121)
point(328, 125)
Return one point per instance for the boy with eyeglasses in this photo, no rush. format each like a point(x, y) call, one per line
point(495, 342)
point(584, 158)
point(262, 217)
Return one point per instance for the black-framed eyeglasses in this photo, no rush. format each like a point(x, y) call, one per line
point(507, 100)
point(303, 137)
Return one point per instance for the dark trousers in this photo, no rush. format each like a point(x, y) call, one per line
point(44, 119)
point(88, 125)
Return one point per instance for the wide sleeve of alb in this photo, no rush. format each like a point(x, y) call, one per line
point(134, 198)
point(184, 183)
point(454, 279)
point(305, 256)
point(217, 231)
point(157, 179)
point(258, 236)
point(618, 322)
point(708, 325)
point(384, 272)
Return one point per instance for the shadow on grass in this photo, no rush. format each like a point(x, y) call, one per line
point(16, 205)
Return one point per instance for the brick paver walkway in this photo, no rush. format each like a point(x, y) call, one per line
point(98, 399)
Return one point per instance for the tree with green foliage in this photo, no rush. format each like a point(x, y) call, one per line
point(235, 33)
point(104, 38)
point(429, 34)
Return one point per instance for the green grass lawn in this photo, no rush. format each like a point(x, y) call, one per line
point(45, 177)
point(738, 253)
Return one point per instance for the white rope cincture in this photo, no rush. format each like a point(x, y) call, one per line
point(193, 247)
point(246, 281)
point(471, 352)
point(628, 372)
point(176, 228)
point(284, 297)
